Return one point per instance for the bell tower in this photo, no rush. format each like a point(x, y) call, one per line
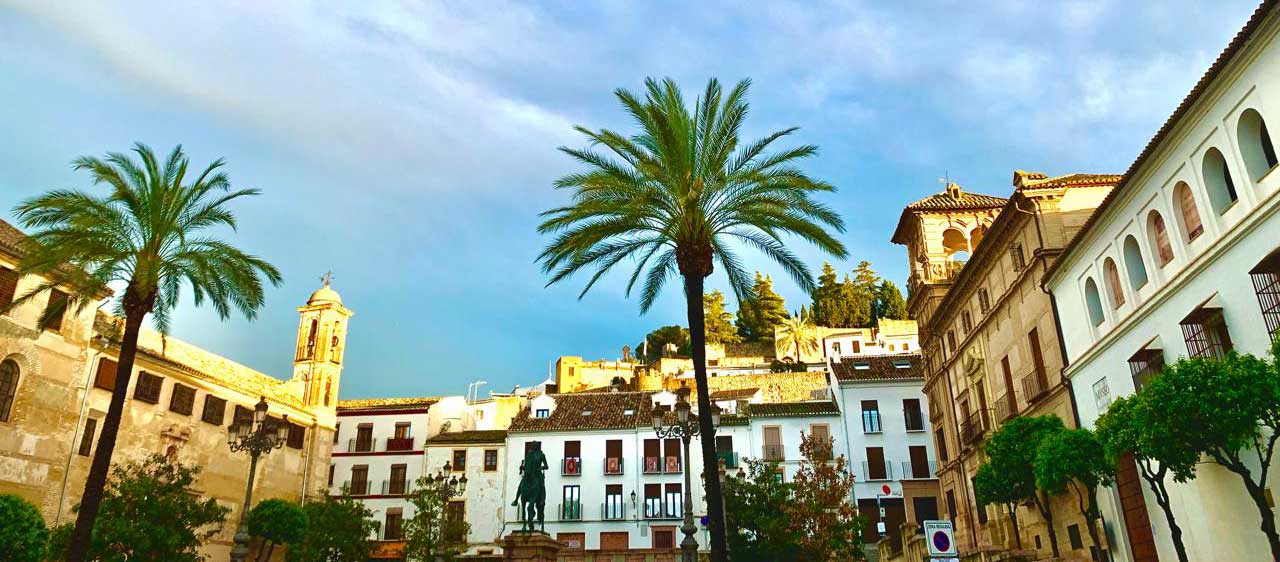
point(322, 340)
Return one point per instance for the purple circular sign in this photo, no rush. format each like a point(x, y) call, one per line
point(941, 541)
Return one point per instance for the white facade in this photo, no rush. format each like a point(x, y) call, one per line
point(484, 466)
point(1207, 270)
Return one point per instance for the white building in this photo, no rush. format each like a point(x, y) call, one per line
point(1180, 261)
point(480, 456)
point(887, 337)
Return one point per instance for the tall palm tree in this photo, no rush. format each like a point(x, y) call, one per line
point(798, 332)
point(149, 232)
point(675, 197)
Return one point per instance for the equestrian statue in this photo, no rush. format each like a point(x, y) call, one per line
point(531, 496)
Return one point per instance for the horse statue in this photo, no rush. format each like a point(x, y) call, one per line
point(531, 496)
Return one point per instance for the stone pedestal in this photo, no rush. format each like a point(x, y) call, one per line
point(530, 546)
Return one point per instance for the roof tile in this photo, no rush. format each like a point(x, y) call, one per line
point(902, 366)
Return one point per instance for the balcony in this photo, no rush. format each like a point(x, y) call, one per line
point(571, 466)
point(395, 487)
point(661, 465)
point(972, 428)
point(613, 510)
point(1006, 407)
point(877, 471)
point(919, 471)
point(822, 452)
point(655, 508)
point(357, 487)
point(613, 466)
point(570, 511)
point(729, 458)
point(1035, 386)
point(360, 445)
point(400, 444)
point(774, 453)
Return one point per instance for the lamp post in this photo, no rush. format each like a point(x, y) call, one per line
point(685, 428)
point(255, 437)
point(448, 487)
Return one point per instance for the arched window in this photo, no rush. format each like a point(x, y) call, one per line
point(1159, 238)
point(1255, 144)
point(8, 386)
point(1093, 302)
point(955, 242)
point(1114, 290)
point(1133, 264)
point(1188, 214)
point(1217, 180)
point(975, 237)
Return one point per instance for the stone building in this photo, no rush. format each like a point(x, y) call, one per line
point(990, 336)
point(55, 386)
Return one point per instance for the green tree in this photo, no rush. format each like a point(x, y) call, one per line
point(23, 535)
point(827, 303)
point(149, 513)
point(276, 521)
point(823, 519)
point(761, 312)
point(431, 534)
point(1228, 410)
point(151, 233)
point(990, 489)
point(659, 338)
point(798, 333)
point(889, 301)
point(1074, 459)
point(720, 328)
point(338, 530)
point(1126, 428)
point(1011, 452)
point(753, 502)
point(675, 197)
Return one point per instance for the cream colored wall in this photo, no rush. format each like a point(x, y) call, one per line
point(574, 374)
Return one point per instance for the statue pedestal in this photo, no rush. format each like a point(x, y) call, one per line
point(530, 546)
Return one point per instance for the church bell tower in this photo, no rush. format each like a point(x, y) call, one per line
point(322, 339)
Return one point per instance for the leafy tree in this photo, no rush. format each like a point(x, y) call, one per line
point(825, 522)
point(23, 535)
point(1011, 452)
point(797, 333)
point(338, 530)
point(674, 197)
point(989, 489)
point(889, 301)
point(753, 503)
point(1074, 459)
point(1126, 429)
point(276, 521)
point(1225, 409)
point(829, 306)
point(150, 233)
point(149, 513)
point(659, 338)
point(761, 312)
point(720, 328)
point(431, 533)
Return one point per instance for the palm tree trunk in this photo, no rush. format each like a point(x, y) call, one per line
point(693, 287)
point(78, 549)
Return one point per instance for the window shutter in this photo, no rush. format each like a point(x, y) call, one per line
point(105, 378)
point(8, 286)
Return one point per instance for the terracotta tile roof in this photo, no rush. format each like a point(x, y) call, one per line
point(1036, 180)
point(11, 239)
point(387, 403)
point(793, 409)
point(474, 436)
point(962, 201)
point(607, 412)
point(879, 368)
point(735, 394)
point(1237, 43)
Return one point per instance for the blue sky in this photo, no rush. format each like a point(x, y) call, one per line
point(409, 146)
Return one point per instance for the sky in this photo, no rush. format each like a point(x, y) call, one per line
point(409, 146)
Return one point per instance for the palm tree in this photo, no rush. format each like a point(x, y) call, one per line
point(797, 331)
point(148, 233)
point(672, 198)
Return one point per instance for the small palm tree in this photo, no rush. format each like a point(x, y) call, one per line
point(148, 233)
point(672, 198)
point(798, 332)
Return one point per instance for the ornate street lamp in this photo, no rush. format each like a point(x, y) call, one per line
point(449, 487)
point(685, 429)
point(255, 437)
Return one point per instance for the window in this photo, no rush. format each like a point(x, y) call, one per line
point(331, 468)
point(105, 377)
point(652, 501)
point(242, 415)
point(1145, 365)
point(392, 530)
point(360, 480)
point(671, 455)
point(542, 413)
point(1093, 302)
point(490, 460)
point(1255, 144)
point(183, 399)
point(773, 443)
point(8, 287)
point(855, 347)
point(876, 468)
point(571, 503)
point(1217, 181)
point(911, 412)
point(951, 507)
point(399, 479)
point(1205, 331)
point(966, 321)
point(951, 340)
point(724, 451)
point(455, 513)
point(870, 416)
point(148, 388)
point(86, 440)
point(672, 500)
point(297, 434)
point(1073, 534)
point(1133, 264)
point(919, 456)
point(1188, 214)
point(981, 509)
point(1037, 356)
point(835, 348)
point(613, 456)
point(820, 435)
point(664, 538)
point(984, 301)
point(613, 506)
point(459, 460)
point(1266, 284)
point(214, 410)
point(1114, 289)
point(572, 463)
point(57, 304)
point(8, 387)
point(1015, 255)
point(364, 438)
point(1159, 238)
point(307, 347)
point(941, 438)
point(337, 430)
point(402, 430)
point(652, 450)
